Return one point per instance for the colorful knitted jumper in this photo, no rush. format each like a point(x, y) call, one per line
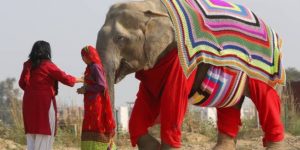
point(225, 34)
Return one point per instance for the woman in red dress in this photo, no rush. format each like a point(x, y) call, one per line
point(39, 80)
point(98, 125)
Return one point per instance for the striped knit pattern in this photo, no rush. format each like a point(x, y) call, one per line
point(222, 87)
point(225, 34)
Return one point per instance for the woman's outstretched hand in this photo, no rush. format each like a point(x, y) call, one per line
point(80, 80)
point(81, 90)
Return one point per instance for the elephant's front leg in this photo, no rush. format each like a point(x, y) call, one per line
point(143, 116)
point(148, 142)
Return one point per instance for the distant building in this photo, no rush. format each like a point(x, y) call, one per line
point(122, 117)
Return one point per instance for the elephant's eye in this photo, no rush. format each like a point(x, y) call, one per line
point(120, 39)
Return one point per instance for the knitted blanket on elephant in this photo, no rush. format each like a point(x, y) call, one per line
point(225, 34)
point(221, 87)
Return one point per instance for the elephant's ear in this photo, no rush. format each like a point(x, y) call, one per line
point(159, 34)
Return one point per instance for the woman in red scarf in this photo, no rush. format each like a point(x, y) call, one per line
point(98, 125)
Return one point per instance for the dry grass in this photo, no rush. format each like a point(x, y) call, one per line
point(290, 115)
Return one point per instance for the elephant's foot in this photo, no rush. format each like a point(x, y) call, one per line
point(225, 142)
point(168, 147)
point(148, 142)
point(275, 146)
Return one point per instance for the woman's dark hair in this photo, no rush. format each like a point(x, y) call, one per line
point(41, 50)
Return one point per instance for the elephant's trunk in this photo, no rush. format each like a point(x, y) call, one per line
point(109, 67)
point(110, 77)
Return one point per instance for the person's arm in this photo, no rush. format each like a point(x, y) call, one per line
point(98, 76)
point(25, 76)
point(61, 76)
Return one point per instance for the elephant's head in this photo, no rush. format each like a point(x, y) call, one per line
point(134, 36)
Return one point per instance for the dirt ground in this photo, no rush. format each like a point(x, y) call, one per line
point(192, 142)
point(201, 142)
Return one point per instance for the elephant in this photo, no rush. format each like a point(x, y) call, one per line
point(135, 37)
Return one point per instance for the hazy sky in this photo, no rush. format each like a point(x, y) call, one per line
point(70, 24)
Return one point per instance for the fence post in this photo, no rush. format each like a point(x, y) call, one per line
point(285, 115)
point(117, 122)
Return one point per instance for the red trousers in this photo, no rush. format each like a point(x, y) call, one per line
point(267, 102)
point(163, 93)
